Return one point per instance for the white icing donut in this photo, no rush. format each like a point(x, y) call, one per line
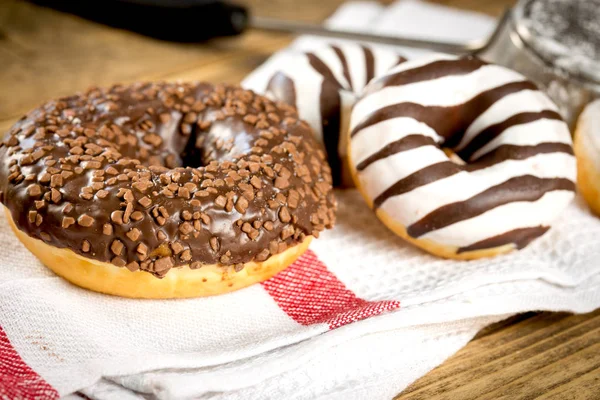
point(324, 85)
point(518, 172)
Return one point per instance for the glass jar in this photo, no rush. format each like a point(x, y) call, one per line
point(556, 44)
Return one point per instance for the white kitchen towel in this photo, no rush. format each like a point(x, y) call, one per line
point(361, 315)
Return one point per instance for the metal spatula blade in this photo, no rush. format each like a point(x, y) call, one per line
point(303, 28)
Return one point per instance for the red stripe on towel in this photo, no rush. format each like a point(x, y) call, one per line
point(310, 294)
point(17, 379)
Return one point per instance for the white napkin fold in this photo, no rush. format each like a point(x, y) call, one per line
point(303, 334)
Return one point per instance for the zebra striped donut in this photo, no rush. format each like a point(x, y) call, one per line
point(323, 85)
point(518, 171)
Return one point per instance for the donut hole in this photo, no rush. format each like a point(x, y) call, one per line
point(224, 140)
point(194, 150)
point(177, 144)
point(193, 154)
point(169, 143)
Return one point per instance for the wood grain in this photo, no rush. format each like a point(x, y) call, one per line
point(525, 357)
point(45, 54)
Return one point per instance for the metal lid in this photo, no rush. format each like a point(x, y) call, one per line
point(565, 34)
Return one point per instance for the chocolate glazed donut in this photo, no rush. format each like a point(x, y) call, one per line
point(152, 177)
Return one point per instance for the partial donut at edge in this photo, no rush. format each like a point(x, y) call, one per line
point(324, 84)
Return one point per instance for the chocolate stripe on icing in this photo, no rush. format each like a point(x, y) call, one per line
point(330, 104)
point(401, 60)
point(283, 88)
point(504, 153)
point(493, 131)
point(369, 64)
point(344, 63)
point(433, 70)
point(420, 178)
point(514, 152)
point(520, 237)
point(406, 143)
point(322, 68)
point(473, 108)
point(450, 122)
point(521, 188)
point(424, 114)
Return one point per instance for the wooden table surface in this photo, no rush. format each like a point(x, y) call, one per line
point(44, 54)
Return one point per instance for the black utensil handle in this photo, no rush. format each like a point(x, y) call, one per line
point(173, 20)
